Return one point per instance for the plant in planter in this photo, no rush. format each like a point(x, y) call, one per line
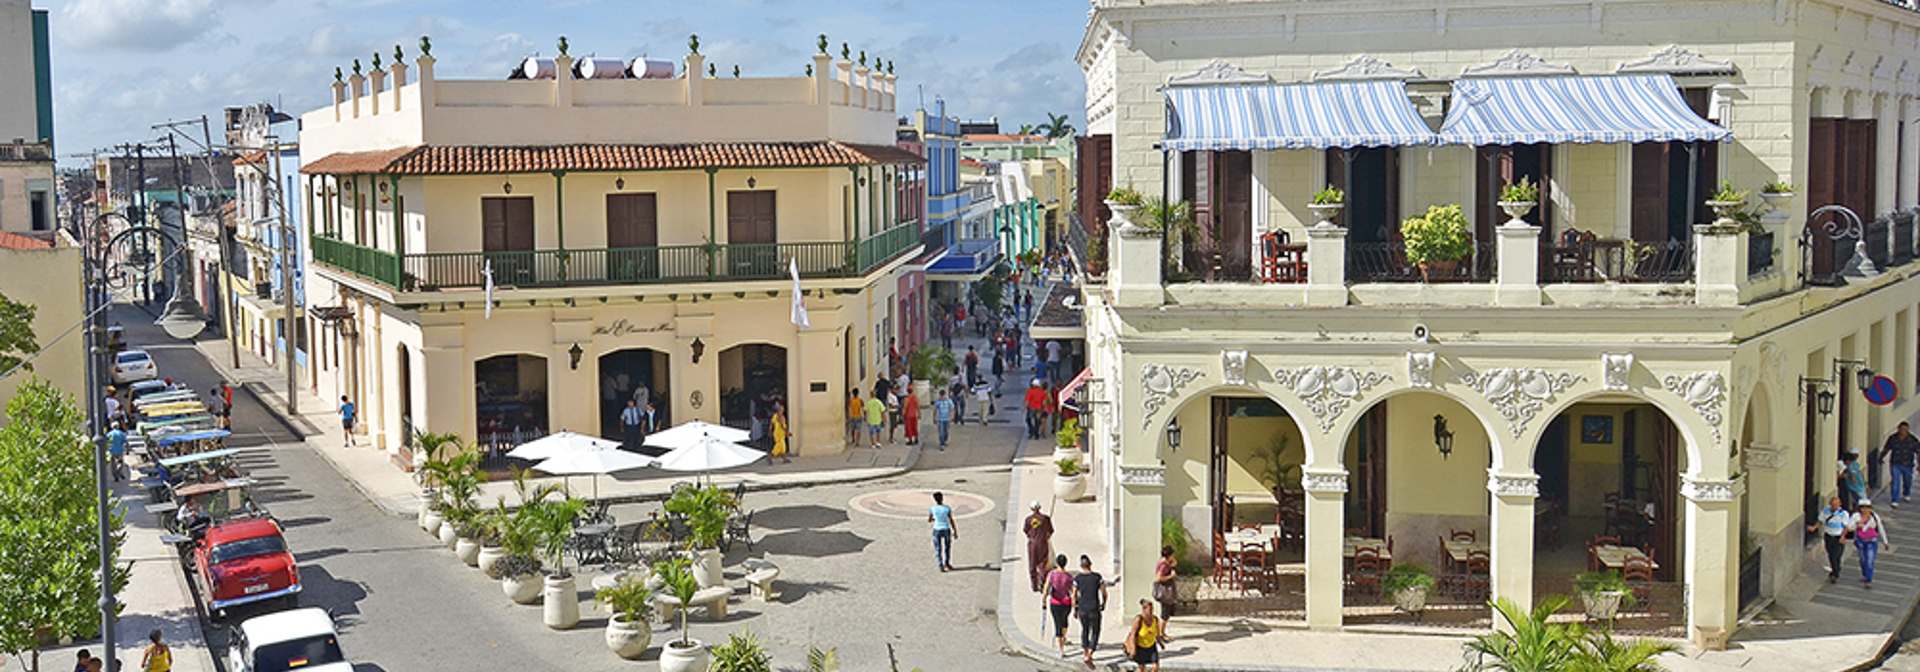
point(1125, 196)
point(519, 562)
point(1179, 216)
point(631, 605)
point(1408, 585)
point(684, 654)
point(1274, 470)
point(1603, 594)
point(459, 479)
point(430, 452)
point(1066, 442)
point(1326, 204)
point(742, 652)
point(489, 529)
point(1726, 200)
point(1069, 484)
point(1438, 240)
point(930, 366)
point(551, 523)
point(1518, 198)
point(706, 510)
point(1777, 194)
point(1097, 255)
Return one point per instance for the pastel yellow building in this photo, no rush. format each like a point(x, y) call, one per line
point(1613, 363)
point(508, 258)
point(43, 270)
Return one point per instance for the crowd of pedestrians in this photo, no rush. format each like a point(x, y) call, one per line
point(1849, 515)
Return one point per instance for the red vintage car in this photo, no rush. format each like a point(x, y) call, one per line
point(243, 561)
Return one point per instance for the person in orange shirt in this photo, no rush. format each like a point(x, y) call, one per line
point(1036, 408)
point(856, 417)
point(910, 417)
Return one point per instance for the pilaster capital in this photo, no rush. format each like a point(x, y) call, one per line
point(1143, 475)
point(1513, 485)
point(1315, 480)
point(1707, 490)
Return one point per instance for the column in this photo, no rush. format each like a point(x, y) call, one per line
point(1326, 265)
point(1712, 563)
point(356, 88)
point(822, 79)
point(1326, 521)
point(1886, 175)
point(1909, 160)
point(1720, 266)
point(1512, 535)
point(567, 386)
point(818, 419)
point(1140, 513)
point(696, 77)
point(444, 402)
point(1519, 256)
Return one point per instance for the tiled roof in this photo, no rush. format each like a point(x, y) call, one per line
point(15, 241)
point(472, 160)
point(252, 157)
point(1054, 311)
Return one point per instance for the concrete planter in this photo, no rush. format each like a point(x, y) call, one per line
point(468, 550)
point(1412, 600)
point(1516, 210)
point(522, 589)
point(449, 535)
point(1070, 488)
point(923, 392)
point(1123, 215)
point(628, 639)
point(1186, 589)
point(486, 558)
point(1602, 605)
point(1325, 212)
point(562, 602)
point(430, 521)
point(1067, 453)
point(706, 567)
point(689, 658)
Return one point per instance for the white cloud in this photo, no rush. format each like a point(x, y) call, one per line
point(135, 25)
point(496, 56)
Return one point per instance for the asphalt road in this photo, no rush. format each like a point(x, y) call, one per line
point(850, 580)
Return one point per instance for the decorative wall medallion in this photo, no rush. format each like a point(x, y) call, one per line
point(1420, 369)
point(1710, 490)
point(1617, 369)
point(1518, 393)
point(1705, 391)
point(1513, 485)
point(1217, 72)
point(696, 399)
point(1764, 456)
point(1328, 389)
point(1367, 67)
point(1678, 60)
point(1161, 382)
point(1233, 366)
point(1143, 475)
point(1517, 62)
point(1323, 481)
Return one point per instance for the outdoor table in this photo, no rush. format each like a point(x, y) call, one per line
point(1616, 557)
point(591, 542)
point(1354, 544)
point(1268, 534)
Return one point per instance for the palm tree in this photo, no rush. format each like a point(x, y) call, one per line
point(1528, 644)
point(1600, 652)
point(1057, 126)
point(1026, 129)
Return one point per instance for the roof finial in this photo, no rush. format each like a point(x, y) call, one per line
point(845, 53)
point(693, 44)
point(376, 60)
point(426, 46)
point(399, 57)
point(356, 67)
point(563, 45)
point(863, 57)
point(736, 72)
point(823, 43)
point(809, 69)
point(711, 72)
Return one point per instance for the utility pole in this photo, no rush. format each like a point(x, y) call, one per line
point(286, 283)
point(223, 238)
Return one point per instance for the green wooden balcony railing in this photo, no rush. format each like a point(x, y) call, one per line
point(433, 271)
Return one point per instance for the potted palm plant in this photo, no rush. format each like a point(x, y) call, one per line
point(519, 562)
point(1408, 585)
point(429, 462)
point(1326, 204)
point(1069, 483)
point(1179, 218)
point(1438, 240)
point(553, 525)
point(1603, 593)
point(1066, 442)
point(929, 365)
point(684, 654)
point(488, 531)
point(1518, 198)
point(1726, 201)
point(629, 632)
point(742, 652)
point(706, 510)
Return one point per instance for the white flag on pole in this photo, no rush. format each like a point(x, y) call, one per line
point(488, 272)
point(799, 303)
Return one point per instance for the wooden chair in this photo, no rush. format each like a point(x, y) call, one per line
point(1281, 260)
point(1252, 568)
point(1364, 577)
point(1573, 257)
point(1479, 575)
point(1468, 536)
point(1446, 559)
point(1223, 563)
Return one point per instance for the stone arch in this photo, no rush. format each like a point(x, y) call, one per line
point(1683, 417)
point(1756, 424)
point(1351, 421)
point(1157, 426)
point(1196, 473)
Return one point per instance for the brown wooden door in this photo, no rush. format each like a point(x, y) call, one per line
point(1233, 219)
point(752, 231)
point(1824, 154)
point(506, 224)
point(1375, 446)
point(1664, 491)
point(1095, 181)
point(632, 221)
point(1650, 198)
point(1217, 465)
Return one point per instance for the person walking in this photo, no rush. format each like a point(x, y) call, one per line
point(1852, 477)
point(1832, 524)
point(780, 434)
point(982, 401)
point(999, 370)
point(910, 417)
point(1089, 601)
point(856, 418)
point(1901, 449)
point(346, 419)
point(630, 425)
point(1144, 637)
point(943, 412)
point(1163, 581)
point(1869, 534)
point(1036, 402)
point(1060, 601)
point(944, 533)
point(117, 452)
point(158, 657)
point(876, 419)
point(1039, 530)
point(972, 364)
point(894, 418)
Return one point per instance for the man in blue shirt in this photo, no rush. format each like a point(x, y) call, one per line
point(116, 452)
point(630, 421)
point(941, 516)
point(346, 419)
point(943, 411)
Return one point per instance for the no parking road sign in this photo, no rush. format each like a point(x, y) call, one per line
point(1882, 392)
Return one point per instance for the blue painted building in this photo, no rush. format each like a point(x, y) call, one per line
point(967, 256)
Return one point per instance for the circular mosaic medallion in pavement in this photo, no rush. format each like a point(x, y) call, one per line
point(913, 504)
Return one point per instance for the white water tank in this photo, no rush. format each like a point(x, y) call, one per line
point(601, 68)
point(537, 68)
point(652, 68)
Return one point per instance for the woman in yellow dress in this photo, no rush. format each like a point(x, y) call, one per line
point(780, 433)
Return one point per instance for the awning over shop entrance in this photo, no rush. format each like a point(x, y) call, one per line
point(1572, 109)
point(1317, 115)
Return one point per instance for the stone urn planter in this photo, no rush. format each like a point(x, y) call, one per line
point(430, 520)
point(449, 535)
point(1412, 599)
point(1186, 589)
point(628, 639)
point(706, 567)
point(1123, 214)
point(1070, 488)
point(486, 558)
point(561, 599)
point(522, 589)
point(1066, 453)
point(1325, 212)
point(1516, 210)
point(1602, 605)
point(1777, 200)
point(683, 655)
point(1724, 210)
point(923, 391)
point(468, 550)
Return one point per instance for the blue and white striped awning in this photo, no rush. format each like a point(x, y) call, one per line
point(1318, 115)
point(1572, 109)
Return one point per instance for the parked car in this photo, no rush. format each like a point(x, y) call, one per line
point(297, 639)
point(144, 388)
point(244, 561)
point(133, 365)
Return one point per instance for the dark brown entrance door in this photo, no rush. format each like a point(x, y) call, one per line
point(506, 235)
point(752, 231)
point(633, 231)
point(1233, 215)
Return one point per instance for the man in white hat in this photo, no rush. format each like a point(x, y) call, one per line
point(1039, 530)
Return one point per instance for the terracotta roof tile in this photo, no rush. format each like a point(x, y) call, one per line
point(478, 160)
point(254, 156)
point(15, 241)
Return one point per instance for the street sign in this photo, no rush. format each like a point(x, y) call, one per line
point(1882, 392)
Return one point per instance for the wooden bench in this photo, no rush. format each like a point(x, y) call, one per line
point(714, 599)
point(760, 576)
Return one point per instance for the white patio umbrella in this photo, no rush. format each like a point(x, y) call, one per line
point(559, 443)
point(686, 434)
point(595, 463)
point(709, 453)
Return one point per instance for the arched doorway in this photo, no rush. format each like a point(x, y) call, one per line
point(1418, 496)
point(639, 375)
point(753, 376)
point(510, 399)
point(403, 372)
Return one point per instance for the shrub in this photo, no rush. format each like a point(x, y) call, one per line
point(1443, 234)
point(742, 652)
point(1329, 195)
point(1728, 194)
point(706, 510)
point(1404, 576)
point(1068, 466)
point(1125, 196)
point(1523, 191)
point(628, 597)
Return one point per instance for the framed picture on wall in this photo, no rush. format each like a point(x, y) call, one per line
point(1596, 429)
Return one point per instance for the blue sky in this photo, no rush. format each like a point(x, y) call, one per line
point(120, 66)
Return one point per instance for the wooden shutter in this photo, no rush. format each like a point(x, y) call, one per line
point(1096, 181)
point(1235, 214)
point(1650, 202)
point(1823, 182)
point(1862, 138)
point(519, 223)
point(632, 221)
point(750, 218)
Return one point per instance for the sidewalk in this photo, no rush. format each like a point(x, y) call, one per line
point(1811, 625)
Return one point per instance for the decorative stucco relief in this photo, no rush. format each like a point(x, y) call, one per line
point(1518, 393)
point(1517, 62)
point(1420, 369)
point(1618, 370)
point(1323, 481)
point(1764, 456)
point(1513, 485)
point(1327, 390)
point(1678, 60)
point(1160, 383)
point(1710, 490)
point(1143, 475)
point(1217, 72)
point(1705, 391)
point(1366, 67)
point(1233, 367)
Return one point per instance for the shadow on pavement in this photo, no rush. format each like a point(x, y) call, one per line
point(807, 516)
point(812, 543)
point(320, 588)
point(304, 521)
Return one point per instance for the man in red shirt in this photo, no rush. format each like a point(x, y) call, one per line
point(1036, 408)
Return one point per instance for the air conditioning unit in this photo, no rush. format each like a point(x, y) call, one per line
point(263, 291)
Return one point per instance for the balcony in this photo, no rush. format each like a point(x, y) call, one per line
point(437, 271)
point(26, 151)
